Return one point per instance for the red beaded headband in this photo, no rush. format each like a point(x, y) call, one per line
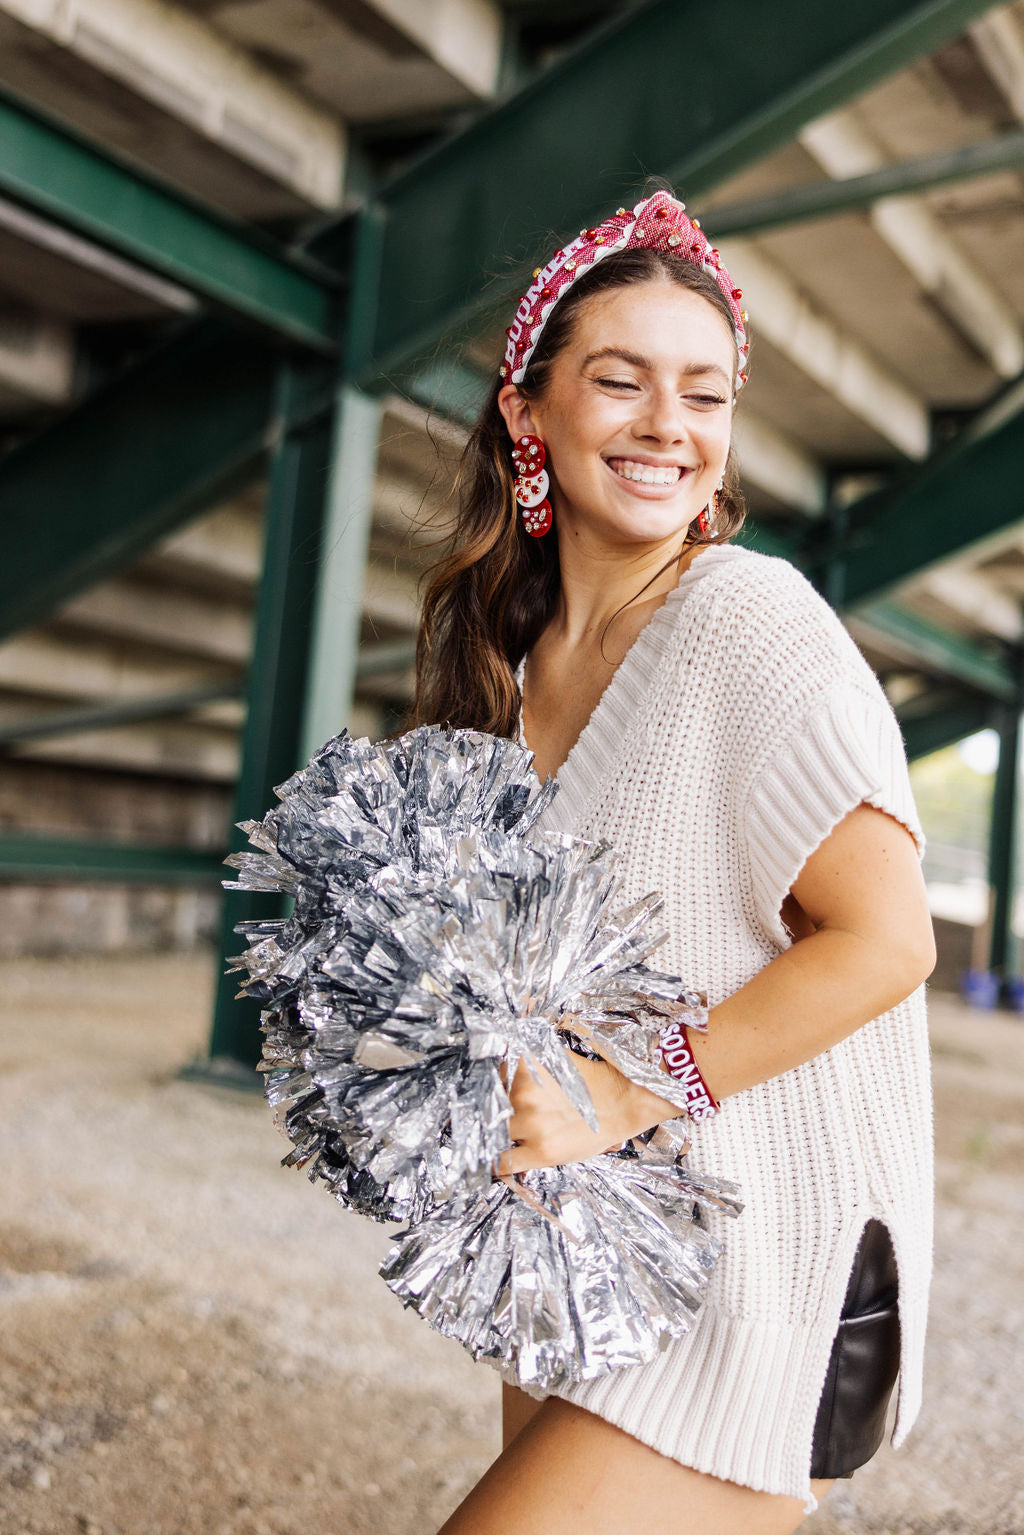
point(657, 223)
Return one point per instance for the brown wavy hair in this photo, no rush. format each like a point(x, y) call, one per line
point(495, 589)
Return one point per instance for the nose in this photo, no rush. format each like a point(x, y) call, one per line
point(662, 418)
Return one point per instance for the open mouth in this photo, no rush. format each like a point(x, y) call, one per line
point(646, 474)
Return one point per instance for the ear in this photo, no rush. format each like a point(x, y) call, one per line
point(517, 411)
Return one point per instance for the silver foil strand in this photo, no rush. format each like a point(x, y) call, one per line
point(438, 939)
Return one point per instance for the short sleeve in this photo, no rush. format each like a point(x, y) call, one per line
point(817, 736)
point(847, 750)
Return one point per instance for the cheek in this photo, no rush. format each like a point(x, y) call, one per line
point(575, 444)
point(583, 423)
point(717, 442)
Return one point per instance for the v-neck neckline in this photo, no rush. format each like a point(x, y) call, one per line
point(596, 752)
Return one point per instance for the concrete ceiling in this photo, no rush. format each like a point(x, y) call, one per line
point(867, 326)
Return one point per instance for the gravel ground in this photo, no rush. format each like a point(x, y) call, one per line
point(194, 1342)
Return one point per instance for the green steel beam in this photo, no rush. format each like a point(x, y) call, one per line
point(39, 858)
point(272, 739)
point(128, 711)
point(958, 498)
point(181, 429)
point(821, 199)
point(939, 650)
point(950, 721)
point(458, 225)
point(1002, 858)
point(320, 507)
point(920, 641)
point(53, 172)
point(320, 503)
point(42, 234)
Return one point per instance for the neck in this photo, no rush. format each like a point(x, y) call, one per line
point(598, 581)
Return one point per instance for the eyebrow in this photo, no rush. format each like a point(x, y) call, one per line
point(637, 361)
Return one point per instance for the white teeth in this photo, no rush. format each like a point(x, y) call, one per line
point(646, 474)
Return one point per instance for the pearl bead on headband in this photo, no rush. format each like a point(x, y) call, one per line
point(656, 223)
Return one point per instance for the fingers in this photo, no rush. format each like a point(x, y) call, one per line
point(515, 1160)
point(532, 1083)
point(545, 1128)
point(523, 1157)
point(527, 1070)
point(529, 1157)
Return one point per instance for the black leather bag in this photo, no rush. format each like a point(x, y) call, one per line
point(864, 1364)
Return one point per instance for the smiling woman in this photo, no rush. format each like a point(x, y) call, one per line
point(638, 435)
point(496, 592)
point(656, 413)
point(706, 713)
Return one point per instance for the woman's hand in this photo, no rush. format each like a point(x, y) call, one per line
point(548, 1131)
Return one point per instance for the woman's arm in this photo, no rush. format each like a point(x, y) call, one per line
point(869, 945)
point(872, 945)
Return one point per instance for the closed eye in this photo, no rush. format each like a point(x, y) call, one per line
point(694, 399)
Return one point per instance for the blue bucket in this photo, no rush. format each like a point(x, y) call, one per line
point(980, 988)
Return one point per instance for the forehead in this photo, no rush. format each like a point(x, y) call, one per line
point(668, 319)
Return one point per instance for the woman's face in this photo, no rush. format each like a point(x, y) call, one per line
point(637, 414)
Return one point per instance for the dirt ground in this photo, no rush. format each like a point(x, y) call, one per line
point(194, 1342)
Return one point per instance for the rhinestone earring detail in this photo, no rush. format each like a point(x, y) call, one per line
point(709, 516)
point(531, 484)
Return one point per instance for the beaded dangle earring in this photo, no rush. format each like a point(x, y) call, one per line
point(531, 484)
point(709, 516)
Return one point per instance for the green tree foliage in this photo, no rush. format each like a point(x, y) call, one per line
point(954, 799)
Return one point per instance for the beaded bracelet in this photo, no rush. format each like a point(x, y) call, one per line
point(679, 1062)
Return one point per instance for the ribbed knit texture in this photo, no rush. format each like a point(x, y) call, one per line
point(741, 726)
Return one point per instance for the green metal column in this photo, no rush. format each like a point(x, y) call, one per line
point(272, 739)
point(1003, 957)
point(349, 499)
point(307, 621)
point(832, 583)
point(336, 615)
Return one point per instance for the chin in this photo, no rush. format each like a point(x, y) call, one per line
point(631, 520)
point(652, 526)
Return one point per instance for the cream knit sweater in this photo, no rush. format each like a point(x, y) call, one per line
point(741, 726)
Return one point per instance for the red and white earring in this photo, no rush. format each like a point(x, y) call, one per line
point(531, 484)
point(709, 516)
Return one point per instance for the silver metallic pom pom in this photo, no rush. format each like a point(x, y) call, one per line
point(565, 1273)
point(438, 938)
